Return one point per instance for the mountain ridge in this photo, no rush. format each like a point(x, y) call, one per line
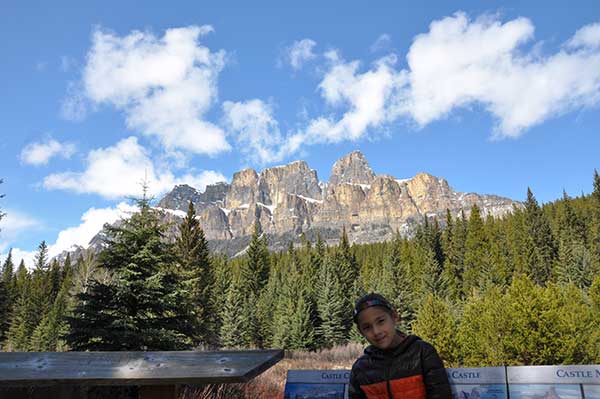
point(290, 200)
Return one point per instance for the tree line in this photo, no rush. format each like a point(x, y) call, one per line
point(521, 289)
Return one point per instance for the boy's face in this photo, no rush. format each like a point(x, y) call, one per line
point(378, 327)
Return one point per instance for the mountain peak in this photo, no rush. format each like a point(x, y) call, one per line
point(352, 168)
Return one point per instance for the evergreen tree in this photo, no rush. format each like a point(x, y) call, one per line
point(436, 325)
point(4, 310)
point(258, 261)
point(23, 319)
point(222, 281)
point(293, 328)
point(593, 347)
point(7, 294)
point(48, 334)
point(392, 282)
point(594, 234)
point(237, 330)
point(344, 262)
point(196, 274)
point(332, 306)
point(538, 228)
point(143, 308)
point(476, 251)
point(484, 330)
point(454, 241)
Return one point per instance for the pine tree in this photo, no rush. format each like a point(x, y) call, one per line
point(454, 241)
point(538, 228)
point(593, 347)
point(345, 264)
point(392, 281)
point(293, 328)
point(258, 261)
point(484, 330)
point(48, 334)
point(237, 330)
point(476, 251)
point(33, 304)
point(23, 319)
point(332, 307)
point(4, 310)
point(594, 229)
point(196, 274)
point(7, 294)
point(436, 325)
point(144, 307)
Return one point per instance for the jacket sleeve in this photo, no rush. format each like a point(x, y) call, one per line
point(354, 391)
point(434, 374)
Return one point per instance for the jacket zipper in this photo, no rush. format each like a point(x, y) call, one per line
point(387, 379)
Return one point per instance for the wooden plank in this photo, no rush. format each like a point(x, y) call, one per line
point(158, 392)
point(133, 368)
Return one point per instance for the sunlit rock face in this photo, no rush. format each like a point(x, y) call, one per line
point(289, 200)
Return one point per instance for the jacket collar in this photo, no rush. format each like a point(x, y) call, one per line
point(375, 352)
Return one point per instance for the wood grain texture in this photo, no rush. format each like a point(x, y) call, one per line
point(133, 368)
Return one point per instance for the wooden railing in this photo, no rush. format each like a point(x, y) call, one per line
point(54, 374)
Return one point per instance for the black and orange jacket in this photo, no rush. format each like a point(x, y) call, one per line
point(412, 370)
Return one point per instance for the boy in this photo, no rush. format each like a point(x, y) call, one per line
point(395, 365)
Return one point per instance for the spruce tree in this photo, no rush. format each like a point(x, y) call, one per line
point(454, 239)
point(23, 319)
point(144, 307)
point(476, 251)
point(484, 330)
point(538, 228)
point(237, 329)
point(344, 263)
point(436, 325)
point(48, 334)
point(293, 328)
point(332, 307)
point(196, 274)
point(594, 229)
point(7, 294)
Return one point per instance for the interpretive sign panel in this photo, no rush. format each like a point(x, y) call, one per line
point(478, 383)
point(317, 384)
point(554, 382)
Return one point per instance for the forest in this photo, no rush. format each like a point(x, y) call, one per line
point(523, 289)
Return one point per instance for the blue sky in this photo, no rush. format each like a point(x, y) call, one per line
point(493, 96)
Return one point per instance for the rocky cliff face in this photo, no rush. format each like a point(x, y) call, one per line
point(288, 200)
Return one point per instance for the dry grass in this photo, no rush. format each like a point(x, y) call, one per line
point(271, 383)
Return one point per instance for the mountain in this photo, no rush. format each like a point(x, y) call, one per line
point(289, 200)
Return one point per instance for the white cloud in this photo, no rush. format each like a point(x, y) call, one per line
point(461, 62)
point(457, 63)
point(92, 222)
point(588, 36)
point(383, 42)
point(299, 53)
point(364, 97)
point(118, 171)
point(164, 85)
point(18, 254)
point(257, 131)
point(39, 153)
point(12, 225)
point(74, 107)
